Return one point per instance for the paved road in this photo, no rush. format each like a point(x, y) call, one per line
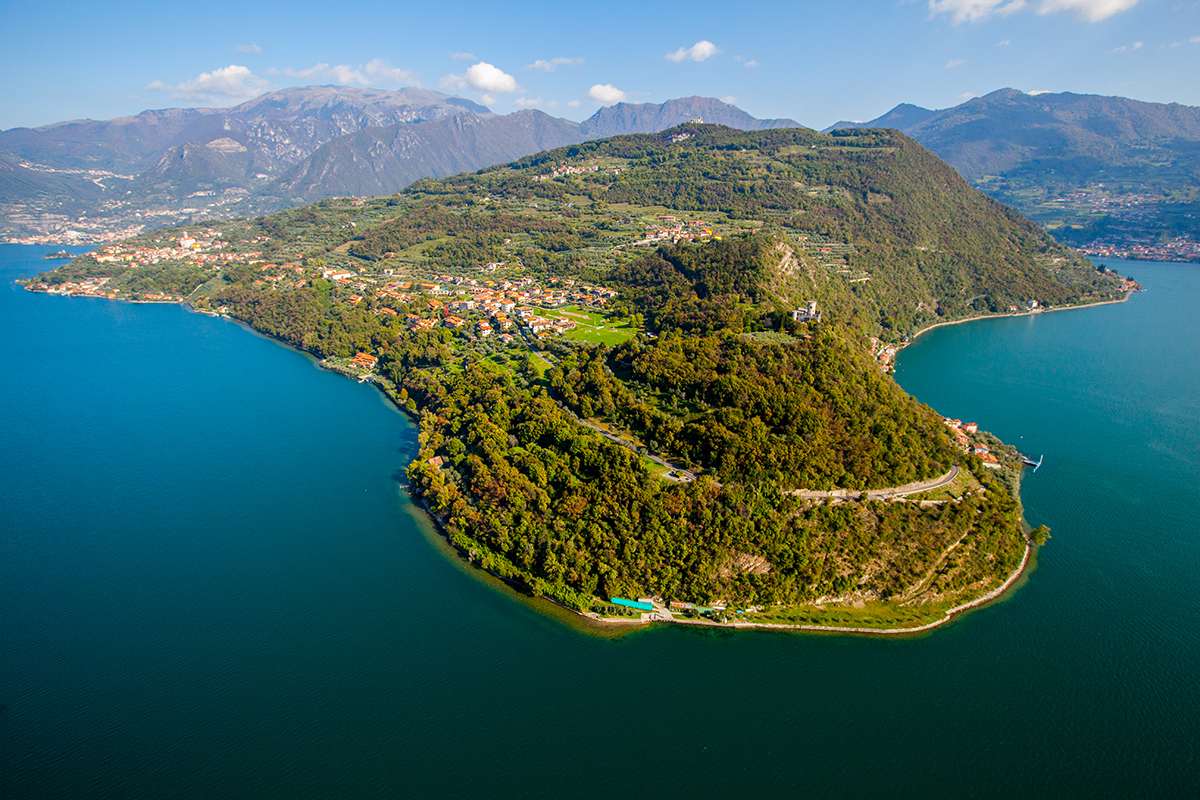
point(881, 494)
point(683, 475)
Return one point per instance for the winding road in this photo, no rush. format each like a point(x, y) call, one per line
point(880, 494)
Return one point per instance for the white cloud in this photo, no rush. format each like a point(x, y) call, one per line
point(1036, 92)
point(1128, 48)
point(554, 63)
point(1005, 43)
point(698, 52)
point(487, 78)
point(954, 62)
point(252, 48)
point(461, 56)
point(377, 72)
point(751, 63)
point(381, 71)
point(482, 77)
point(1195, 40)
point(1087, 10)
point(225, 86)
point(961, 11)
point(730, 99)
point(527, 102)
point(573, 104)
point(965, 96)
point(606, 94)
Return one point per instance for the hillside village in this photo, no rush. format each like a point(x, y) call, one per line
point(483, 307)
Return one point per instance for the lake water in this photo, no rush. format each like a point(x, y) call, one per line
point(210, 586)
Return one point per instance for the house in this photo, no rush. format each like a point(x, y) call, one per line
point(364, 360)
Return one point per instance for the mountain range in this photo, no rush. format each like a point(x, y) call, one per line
point(103, 178)
point(1104, 173)
point(1086, 167)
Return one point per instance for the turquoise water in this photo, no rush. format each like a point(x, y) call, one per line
point(210, 586)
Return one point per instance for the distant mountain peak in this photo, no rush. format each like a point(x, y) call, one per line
point(624, 118)
point(902, 117)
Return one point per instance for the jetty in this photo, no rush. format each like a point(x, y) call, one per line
point(1032, 463)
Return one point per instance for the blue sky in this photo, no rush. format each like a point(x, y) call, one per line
point(816, 62)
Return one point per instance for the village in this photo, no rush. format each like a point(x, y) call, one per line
point(1181, 248)
point(674, 230)
point(485, 308)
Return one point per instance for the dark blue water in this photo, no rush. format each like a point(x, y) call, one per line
point(210, 586)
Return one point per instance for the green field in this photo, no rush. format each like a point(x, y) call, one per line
point(591, 327)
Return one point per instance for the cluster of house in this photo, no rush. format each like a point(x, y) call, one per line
point(190, 248)
point(1179, 249)
point(448, 300)
point(498, 316)
point(962, 431)
point(91, 287)
point(884, 353)
point(494, 309)
point(566, 169)
point(676, 230)
point(79, 231)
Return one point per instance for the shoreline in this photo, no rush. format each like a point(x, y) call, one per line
point(633, 624)
point(1009, 316)
point(947, 616)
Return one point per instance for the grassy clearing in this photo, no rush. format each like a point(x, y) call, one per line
point(873, 614)
point(769, 337)
point(962, 484)
point(591, 327)
point(656, 469)
point(541, 365)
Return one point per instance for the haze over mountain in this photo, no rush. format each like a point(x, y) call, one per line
point(377, 161)
point(652, 117)
point(283, 148)
point(1085, 166)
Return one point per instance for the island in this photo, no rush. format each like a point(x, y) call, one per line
point(651, 372)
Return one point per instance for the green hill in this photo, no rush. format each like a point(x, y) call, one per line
point(719, 449)
point(1087, 167)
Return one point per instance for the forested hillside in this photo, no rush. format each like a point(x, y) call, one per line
point(1099, 171)
point(616, 391)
